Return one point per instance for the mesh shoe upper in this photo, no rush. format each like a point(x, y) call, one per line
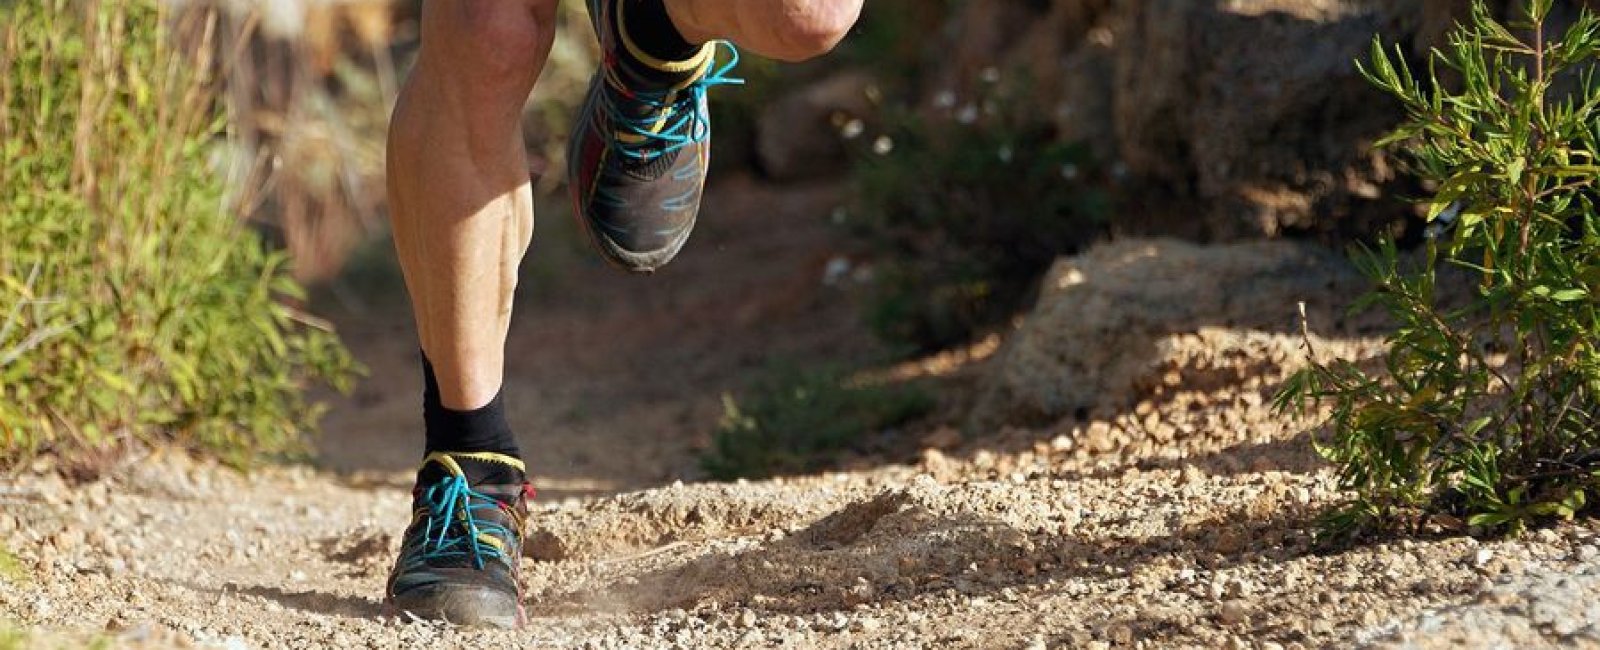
point(458, 558)
point(639, 153)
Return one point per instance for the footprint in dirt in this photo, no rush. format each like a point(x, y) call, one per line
point(362, 551)
point(890, 546)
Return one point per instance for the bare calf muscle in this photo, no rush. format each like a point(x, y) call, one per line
point(459, 185)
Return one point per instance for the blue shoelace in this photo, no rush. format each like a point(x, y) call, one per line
point(451, 500)
point(686, 125)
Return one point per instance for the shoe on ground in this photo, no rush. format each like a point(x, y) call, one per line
point(459, 556)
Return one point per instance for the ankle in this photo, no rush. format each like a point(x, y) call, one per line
point(482, 429)
point(648, 26)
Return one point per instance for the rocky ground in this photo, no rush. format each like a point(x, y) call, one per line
point(1062, 539)
point(1170, 507)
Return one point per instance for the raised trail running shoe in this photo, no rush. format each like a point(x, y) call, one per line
point(458, 558)
point(637, 159)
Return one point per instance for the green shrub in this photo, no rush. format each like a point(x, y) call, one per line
point(961, 215)
point(12, 638)
point(11, 569)
point(1488, 411)
point(15, 637)
point(133, 305)
point(796, 422)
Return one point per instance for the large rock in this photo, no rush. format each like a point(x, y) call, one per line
point(1231, 118)
point(1101, 317)
point(1255, 107)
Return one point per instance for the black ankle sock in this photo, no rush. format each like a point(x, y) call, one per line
point(478, 430)
point(648, 26)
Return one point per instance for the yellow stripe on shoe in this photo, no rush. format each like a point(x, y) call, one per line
point(492, 541)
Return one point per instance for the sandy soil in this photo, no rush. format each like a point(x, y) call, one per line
point(1183, 522)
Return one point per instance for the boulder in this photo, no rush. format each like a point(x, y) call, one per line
point(1229, 119)
point(1256, 108)
point(1098, 328)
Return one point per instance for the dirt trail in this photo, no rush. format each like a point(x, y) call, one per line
point(1179, 524)
point(613, 379)
point(1020, 550)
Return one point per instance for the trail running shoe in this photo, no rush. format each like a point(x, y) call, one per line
point(637, 159)
point(458, 558)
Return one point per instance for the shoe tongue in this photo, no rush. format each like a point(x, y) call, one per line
point(480, 471)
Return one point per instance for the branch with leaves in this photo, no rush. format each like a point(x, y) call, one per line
point(1485, 412)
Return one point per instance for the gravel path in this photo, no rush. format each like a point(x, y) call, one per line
point(1081, 535)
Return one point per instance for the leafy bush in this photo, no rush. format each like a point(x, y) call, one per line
point(14, 637)
point(800, 421)
point(1488, 411)
point(133, 305)
point(10, 569)
point(963, 213)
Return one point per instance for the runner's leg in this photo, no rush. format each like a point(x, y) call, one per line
point(462, 211)
point(459, 194)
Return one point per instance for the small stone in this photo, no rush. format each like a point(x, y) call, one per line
point(98, 495)
point(1232, 613)
point(1587, 553)
point(67, 539)
point(1482, 557)
point(747, 619)
point(1100, 436)
point(1302, 496)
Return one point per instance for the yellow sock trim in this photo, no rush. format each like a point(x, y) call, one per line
point(701, 59)
point(448, 459)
